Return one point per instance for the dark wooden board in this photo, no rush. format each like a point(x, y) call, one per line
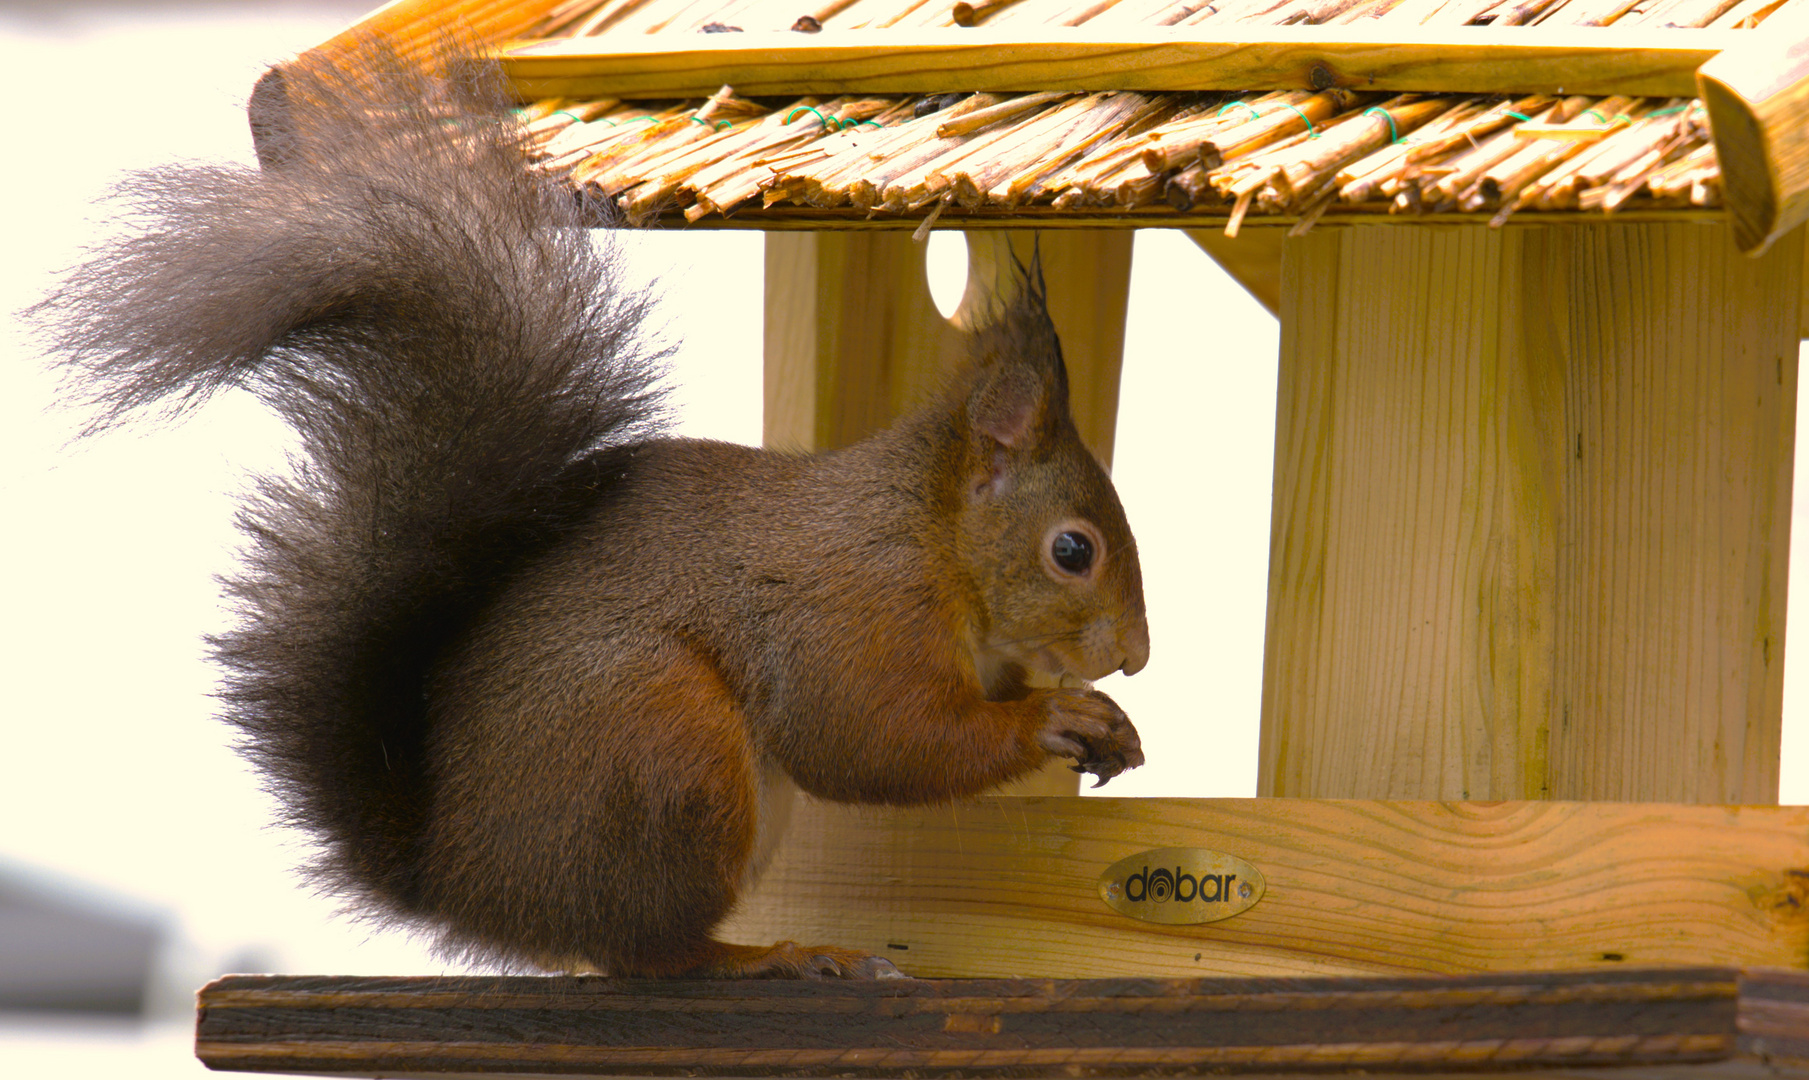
point(1648, 1022)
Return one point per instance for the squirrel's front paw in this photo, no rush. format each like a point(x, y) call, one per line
point(1090, 728)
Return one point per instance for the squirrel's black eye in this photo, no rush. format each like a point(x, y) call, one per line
point(1072, 551)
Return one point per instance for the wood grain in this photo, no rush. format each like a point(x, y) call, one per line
point(1252, 258)
point(1585, 60)
point(1757, 95)
point(1692, 1022)
point(1531, 515)
point(1009, 887)
point(852, 338)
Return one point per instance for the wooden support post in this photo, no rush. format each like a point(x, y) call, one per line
point(853, 339)
point(1532, 510)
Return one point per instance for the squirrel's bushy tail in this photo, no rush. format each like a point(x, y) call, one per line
point(438, 328)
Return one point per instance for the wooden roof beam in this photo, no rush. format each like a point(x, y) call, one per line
point(416, 28)
point(1757, 95)
point(1480, 60)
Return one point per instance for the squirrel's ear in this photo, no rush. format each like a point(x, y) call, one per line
point(1020, 389)
point(1008, 407)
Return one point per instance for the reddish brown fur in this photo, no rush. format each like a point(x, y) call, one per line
point(835, 646)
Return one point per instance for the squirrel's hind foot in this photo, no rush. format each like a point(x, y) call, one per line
point(789, 960)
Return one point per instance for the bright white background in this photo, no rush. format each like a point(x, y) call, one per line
point(113, 772)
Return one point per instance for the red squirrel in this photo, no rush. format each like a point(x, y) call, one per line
point(526, 668)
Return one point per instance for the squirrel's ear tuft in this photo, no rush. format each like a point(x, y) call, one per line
point(1020, 384)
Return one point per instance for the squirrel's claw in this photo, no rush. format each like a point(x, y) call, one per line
point(1089, 727)
point(849, 964)
point(871, 967)
point(789, 960)
point(1101, 771)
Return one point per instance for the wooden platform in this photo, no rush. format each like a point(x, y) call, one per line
point(1654, 1022)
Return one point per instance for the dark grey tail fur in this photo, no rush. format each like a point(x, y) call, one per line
point(454, 354)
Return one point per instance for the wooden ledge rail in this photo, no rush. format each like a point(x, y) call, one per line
point(1002, 887)
point(1482, 60)
point(1676, 1023)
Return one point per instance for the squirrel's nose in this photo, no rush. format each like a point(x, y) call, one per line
point(1136, 647)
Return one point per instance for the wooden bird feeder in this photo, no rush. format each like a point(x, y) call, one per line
point(1541, 285)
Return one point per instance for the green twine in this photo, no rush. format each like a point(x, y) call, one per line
point(1394, 135)
point(1312, 132)
point(830, 122)
point(1522, 117)
point(1623, 118)
point(717, 124)
point(808, 109)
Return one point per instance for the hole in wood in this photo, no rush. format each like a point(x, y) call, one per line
point(945, 267)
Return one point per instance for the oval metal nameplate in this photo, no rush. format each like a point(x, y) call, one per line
point(1181, 885)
